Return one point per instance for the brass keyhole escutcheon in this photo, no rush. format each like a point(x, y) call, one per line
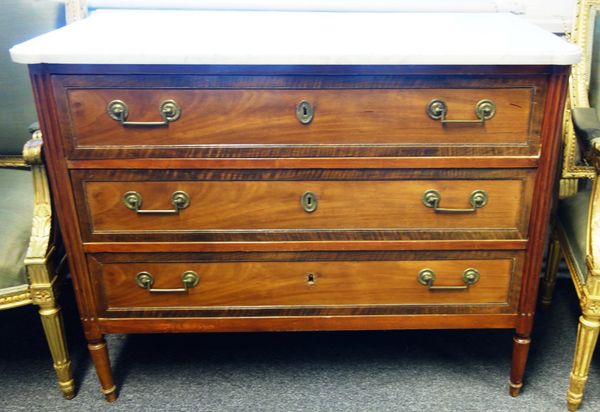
point(311, 278)
point(309, 202)
point(305, 112)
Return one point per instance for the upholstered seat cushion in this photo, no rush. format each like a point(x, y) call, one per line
point(573, 214)
point(16, 213)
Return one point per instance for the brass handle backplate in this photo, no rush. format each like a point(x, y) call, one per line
point(305, 112)
point(432, 199)
point(309, 202)
point(485, 109)
point(133, 200)
point(470, 276)
point(169, 111)
point(189, 278)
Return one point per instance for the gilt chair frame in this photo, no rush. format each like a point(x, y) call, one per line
point(45, 263)
point(579, 82)
point(574, 170)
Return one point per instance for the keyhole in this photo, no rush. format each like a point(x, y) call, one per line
point(309, 202)
point(310, 279)
point(304, 112)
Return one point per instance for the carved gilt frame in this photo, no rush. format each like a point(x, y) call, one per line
point(579, 82)
point(41, 243)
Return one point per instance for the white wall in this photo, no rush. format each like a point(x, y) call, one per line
point(555, 15)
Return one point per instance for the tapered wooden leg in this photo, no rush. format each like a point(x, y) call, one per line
point(587, 336)
point(519, 359)
point(99, 354)
point(55, 335)
point(554, 255)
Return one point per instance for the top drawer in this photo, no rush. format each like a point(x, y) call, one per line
point(228, 116)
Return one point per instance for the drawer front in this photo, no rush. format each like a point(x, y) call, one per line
point(380, 117)
point(305, 206)
point(152, 283)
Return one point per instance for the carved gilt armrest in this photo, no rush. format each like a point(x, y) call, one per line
point(45, 260)
point(41, 259)
point(590, 301)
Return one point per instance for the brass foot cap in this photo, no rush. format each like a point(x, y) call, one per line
point(573, 406)
point(68, 389)
point(514, 389)
point(111, 397)
point(110, 394)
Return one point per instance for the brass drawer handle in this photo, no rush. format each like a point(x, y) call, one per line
point(189, 278)
point(427, 276)
point(432, 198)
point(437, 109)
point(133, 200)
point(169, 111)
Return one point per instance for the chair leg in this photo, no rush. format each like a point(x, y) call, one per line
point(554, 255)
point(55, 335)
point(587, 336)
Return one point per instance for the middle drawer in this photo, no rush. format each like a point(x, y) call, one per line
point(303, 204)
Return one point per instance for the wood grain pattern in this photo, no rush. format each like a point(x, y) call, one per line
point(287, 284)
point(489, 162)
point(255, 205)
point(270, 277)
point(306, 323)
point(341, 117)
point(371, 134)
point(538, 231)
point(276, 205)
point(356, 116)
point(265, 246)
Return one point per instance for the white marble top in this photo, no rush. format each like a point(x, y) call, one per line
point(306, 38)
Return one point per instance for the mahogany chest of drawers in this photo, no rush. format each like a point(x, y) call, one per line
point(199, 198)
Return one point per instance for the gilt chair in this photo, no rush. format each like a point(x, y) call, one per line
point(31, 256)
point(576, 234)
point(32, 259)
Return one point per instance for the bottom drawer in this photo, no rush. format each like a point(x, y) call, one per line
point(153, 281)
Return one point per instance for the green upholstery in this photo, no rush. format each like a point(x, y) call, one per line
point(16, 214)
point(573, 214)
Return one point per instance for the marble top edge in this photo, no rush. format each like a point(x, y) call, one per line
point(297, 38)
